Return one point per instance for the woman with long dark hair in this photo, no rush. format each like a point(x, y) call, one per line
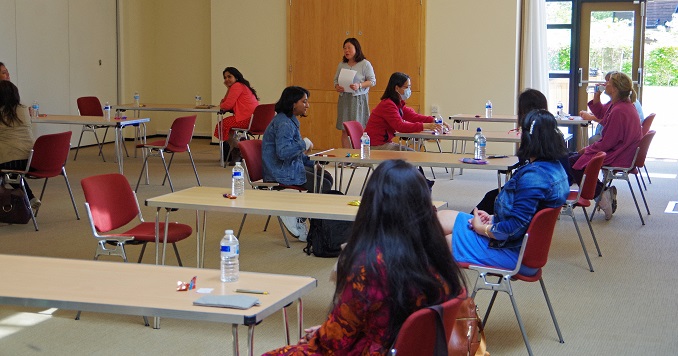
point(240, 99)
point(16, 136)
point(495, 239)
point(390, 268)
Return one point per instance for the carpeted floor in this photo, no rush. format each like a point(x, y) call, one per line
point(626, 307)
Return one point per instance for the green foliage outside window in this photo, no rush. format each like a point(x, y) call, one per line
point(661, 68)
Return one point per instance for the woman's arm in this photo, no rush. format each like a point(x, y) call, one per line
point(286, 144)
point(528, 193)
point(234, 92)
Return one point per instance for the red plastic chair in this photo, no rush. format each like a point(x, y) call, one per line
point(534, 254)
point(47, 159)
point(612, 173)
point(583, 197)
point(254, 167)
point(647, 123)
point(645, 126)
point(111, 204)
point(177, 140)
point(262, 116)
point(354, 131)
point(417, 335)
point(91, 106)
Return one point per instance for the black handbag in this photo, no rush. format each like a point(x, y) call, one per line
point(14, 208)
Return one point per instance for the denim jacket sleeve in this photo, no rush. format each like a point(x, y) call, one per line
point(533, 187)
point(288, 142)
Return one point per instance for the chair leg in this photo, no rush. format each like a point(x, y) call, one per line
point(144, 167)
point(583, 246)
point(242, 223)
point(642, 194)
point(267, 221)
point(367, 175)
point(169, 179)
point(640, 173)
point(350, 179)
point(176, 253)
point(141, 254)
point(190, 155)
point(595, 241)
point(553, 314)
point(42, 193)
point(647, 174)
point(70, 192)
point(520, 324)
point(28, 201)
point(77, 149)
point(99, 144)
point(489, 308)
point(168, 168)
point(282, 228)
point(635, 201)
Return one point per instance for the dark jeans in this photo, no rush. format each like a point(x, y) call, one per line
point(18, 165)
point(327, 180)
point(578, 174)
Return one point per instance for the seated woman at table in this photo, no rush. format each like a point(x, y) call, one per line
point(240, 99)
point(392, 115)
point(542, 183)
point(528, 100)
point(619, 139)
point(390, 268)
point(599, 110)
point(284, 152)
point(16, 136)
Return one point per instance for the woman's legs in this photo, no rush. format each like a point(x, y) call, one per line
point(447, 218)
point(327, 180)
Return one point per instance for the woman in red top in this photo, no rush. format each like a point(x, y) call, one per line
point(240, 99)
point(392, 115)
point(391, 267)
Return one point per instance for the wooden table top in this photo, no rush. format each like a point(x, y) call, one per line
point(571, 121)
point(263, 202)
point(169, 107)
point(139, 289)
point(87, 120)
point(426, 159)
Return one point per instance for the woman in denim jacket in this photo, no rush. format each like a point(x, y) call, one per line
point(283, 150)
point(542, 183)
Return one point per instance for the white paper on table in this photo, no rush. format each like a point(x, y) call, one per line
point(346, 77)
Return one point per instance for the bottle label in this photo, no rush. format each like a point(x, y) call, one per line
point(232, 250)
point(237, 174)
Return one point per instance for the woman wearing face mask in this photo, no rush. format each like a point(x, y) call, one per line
point(353, 106)
point(392, 115)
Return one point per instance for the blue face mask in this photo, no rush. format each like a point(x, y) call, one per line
point(406, 95)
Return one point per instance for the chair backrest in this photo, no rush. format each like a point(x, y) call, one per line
point(251, 155)
point(354, 130)
point(50, 153)
point(90, 106)
point(539, 235)
point(417, 335)
point(643, 147)
point(112, 203)
point(647, 123)
point(587, 187)
point(262, 116)
point(181, 133)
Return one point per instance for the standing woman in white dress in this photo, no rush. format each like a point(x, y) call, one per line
point(354, 106)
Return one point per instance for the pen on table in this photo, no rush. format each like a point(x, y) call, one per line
point(251, 291)
point(321, 152)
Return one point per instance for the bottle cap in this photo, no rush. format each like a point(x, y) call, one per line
point(229, 232)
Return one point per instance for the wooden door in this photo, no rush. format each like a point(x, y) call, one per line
point(391, 38)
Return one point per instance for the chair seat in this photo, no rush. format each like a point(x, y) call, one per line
point(581, 202)
point(160, 144)
point(517, 276)
point(146, 232)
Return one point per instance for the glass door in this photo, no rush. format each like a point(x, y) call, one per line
point(610, 40)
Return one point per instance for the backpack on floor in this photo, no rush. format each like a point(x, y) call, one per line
point(326, 236)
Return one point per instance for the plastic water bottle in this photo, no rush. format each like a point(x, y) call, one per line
point(198, 99)
point(488, 109)
point(365, 146)
point(559, 110)
point(439, 121)
point(238, 181)
point(136, 99)
point(480, 145)
point(36, 109)
point(230, 250)
point(107, 112)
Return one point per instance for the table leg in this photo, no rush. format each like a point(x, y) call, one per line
point(300, 314)
point(157, 234)
point(220, 117)
point(250, 340)
point(118, 138)
point(286, 325)
point(204, 235)
point(234, 331)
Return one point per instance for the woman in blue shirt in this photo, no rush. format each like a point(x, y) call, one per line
point(542, 183)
